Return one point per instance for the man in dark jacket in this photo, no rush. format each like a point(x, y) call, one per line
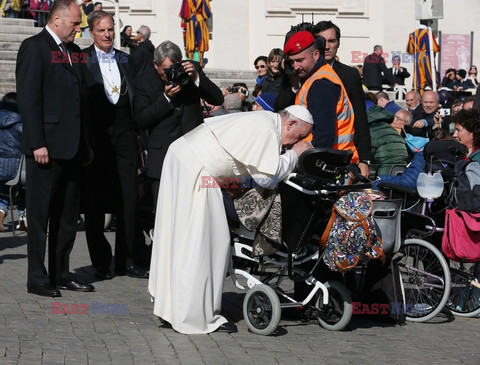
point(397, 73)
point(110, 181)
point(353, 85)
point(374, 70)
point(167, 110)
point(49, 89)
point(141, 57)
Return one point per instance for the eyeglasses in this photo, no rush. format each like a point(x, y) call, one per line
point(260, 66)
point(403, 120)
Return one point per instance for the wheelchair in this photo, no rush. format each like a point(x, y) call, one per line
point(430, 280)
point(307, 200)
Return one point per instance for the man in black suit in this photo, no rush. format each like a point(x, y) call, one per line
point(412, 99)
point(110, 181)
point(353, 85)
point(397, 73)
point(141, 57)
point(49, 87)
point(167, 110)
point(374, 70)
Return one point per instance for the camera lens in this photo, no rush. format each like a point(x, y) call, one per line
point(177, 74)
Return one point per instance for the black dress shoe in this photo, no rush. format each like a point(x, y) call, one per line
point(45, 290)
point(227, 328)
point(75, 286)
point(103, 275)
point(136, 272)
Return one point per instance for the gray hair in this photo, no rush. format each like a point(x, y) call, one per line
point(169, 50)
point(98, 15)
point(232, 101)
point(144, 31)
point(407, 114)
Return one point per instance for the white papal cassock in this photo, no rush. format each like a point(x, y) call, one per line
point(191, 245)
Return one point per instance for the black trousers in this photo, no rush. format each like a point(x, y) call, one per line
point(110, 186)
point(53, 203)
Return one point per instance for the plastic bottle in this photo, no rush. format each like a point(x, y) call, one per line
point(430, 186)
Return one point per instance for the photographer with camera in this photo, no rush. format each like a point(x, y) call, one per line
point(167, 103)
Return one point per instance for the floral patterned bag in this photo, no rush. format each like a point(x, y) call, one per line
point(350, 237)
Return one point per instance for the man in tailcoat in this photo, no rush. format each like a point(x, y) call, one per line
point(110, 181)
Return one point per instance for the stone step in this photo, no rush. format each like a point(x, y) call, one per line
point(7, 88)
point(230, 74)
point(7, 76)
point(8, 55)
point(6, 38)
point(14, 41)
point(17, 22)
point(83, 42)
point(6, 29)
point(10, 46)
point(7, 65)
point(224, 77)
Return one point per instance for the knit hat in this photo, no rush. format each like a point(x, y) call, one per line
point(298, 42)
point(300, 112)
point(266, 101)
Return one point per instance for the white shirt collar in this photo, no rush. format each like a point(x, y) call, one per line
point(55, 37)
point(102, 54)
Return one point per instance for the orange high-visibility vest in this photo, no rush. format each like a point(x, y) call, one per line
point(345, 130)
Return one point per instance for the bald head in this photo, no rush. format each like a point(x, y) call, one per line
point(430, 101)
point(412, 99)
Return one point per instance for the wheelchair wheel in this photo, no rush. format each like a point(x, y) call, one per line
point(425, 277)
point(336, 315)
point(261, 310)
point(464, 299)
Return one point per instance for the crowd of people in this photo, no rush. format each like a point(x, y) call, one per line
point(150, 116)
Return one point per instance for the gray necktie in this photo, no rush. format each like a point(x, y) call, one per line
point(63, 47)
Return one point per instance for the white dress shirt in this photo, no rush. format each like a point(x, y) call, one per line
point(112, 82)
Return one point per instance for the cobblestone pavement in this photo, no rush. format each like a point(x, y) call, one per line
point(31, 332)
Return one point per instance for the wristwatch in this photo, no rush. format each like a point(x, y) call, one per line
point(366, 162)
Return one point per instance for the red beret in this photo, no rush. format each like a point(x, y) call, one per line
point(298, 42)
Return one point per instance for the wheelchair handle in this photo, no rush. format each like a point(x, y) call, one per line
point(327, 188)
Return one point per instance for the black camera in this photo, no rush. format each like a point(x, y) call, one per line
point(237, 89)
point(177, 75)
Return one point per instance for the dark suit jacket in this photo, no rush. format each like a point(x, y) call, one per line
point(141, 58)
point(49, 97)
point(166, 121)
point(353, 85)
point(97, 102)
point(399, 78)
point(373, 67)
point(108, 131)
point(476, 103)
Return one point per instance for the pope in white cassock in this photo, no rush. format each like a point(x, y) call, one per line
point(191, 244)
